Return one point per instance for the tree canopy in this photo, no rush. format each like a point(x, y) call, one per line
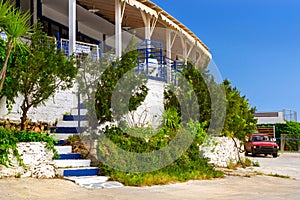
point(15, 24)
point(239, 117)
point(239, 121)
point(129, 93)
point(38, 73)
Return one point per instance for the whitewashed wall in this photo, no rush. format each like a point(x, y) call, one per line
point(221, 151)
point(151, 110)
point(53, 110)
point(36, 157)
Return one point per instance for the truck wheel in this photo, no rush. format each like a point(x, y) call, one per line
point(253, 153)
point(275, 155)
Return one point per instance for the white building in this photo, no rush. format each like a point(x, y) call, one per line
point(269, 117)
point(102, 25)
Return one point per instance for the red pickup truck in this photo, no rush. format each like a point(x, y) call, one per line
point(261, 144)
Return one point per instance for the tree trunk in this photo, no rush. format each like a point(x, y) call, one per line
point(24, 117)
point(238, 151)
point(3, 71)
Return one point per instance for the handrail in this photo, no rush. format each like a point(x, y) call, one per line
point(93, 50)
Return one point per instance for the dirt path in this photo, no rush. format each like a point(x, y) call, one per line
point(231, 187)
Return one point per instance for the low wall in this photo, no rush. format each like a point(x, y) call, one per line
point(36, 157)
point(30, 126)
point(221, 151)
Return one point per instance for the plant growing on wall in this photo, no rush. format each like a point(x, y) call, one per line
point(15, 24)
point(38, 73)
point(9, 139)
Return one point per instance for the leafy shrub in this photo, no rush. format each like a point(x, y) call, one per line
point(256, 164)
point(248, 162)
point(188, 165)
point(8, 143)
point(293, 143)
point(176, 172)
point(10, 138)
point(132, 89)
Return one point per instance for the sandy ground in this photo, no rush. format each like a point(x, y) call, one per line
point(231, 187)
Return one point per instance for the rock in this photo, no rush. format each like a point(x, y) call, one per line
point(36, 157)
point(221, 151)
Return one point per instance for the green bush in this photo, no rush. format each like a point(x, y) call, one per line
point(292, 143)
point(187, 166)
point(8, 144)
point(10, 138)
point(176, 172)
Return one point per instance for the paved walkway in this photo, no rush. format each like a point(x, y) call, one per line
point(95, 182)
point(286, 164)
point(231, 187)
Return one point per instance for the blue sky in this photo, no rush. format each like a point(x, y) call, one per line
point(255, 44)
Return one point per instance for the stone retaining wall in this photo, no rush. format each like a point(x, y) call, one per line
point(36, 157)
point(30, 126)
point(222, 151)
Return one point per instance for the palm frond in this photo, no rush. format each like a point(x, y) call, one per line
point(17, 23)
point(5, 9)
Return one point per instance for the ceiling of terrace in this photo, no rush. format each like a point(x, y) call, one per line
point(99, 15)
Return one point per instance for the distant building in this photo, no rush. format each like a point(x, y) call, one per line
point(275, 117)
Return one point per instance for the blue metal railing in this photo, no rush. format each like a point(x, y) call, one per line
point(150, 61)
point(153, 64)
point(176, 67)
point(93, 51)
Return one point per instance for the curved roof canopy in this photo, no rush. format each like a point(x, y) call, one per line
point(106, 9)
point(100, 16)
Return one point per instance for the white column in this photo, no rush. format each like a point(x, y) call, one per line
point(148, 28)
point(118, 28)
point(191, 47)
point(168, 54)
point(72, 26)
point(168, 43)
point(198, 58)
point(184, 49)
point(34, 11)
point(147, 23)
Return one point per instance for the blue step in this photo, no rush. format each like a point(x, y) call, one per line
point(89, 171)
point(69, 156)
point(55, 129)
point(74, 117)
point(61, 143)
